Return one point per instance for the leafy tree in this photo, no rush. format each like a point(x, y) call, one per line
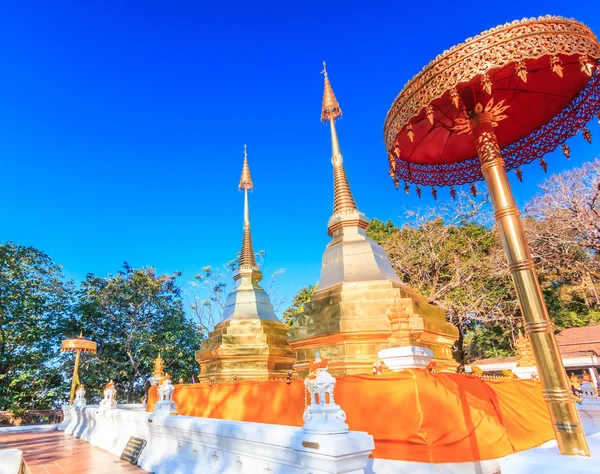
point(297, 305)
point(379, 230)
point(35, 309)
point(457, 264)
point(132, 316)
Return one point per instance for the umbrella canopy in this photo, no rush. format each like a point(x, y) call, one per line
point(78, 343)
point(540, 77)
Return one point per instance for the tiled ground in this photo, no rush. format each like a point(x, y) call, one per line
point(54, 452)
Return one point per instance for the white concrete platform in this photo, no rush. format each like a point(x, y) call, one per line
point(11, 461)
point(547, 460)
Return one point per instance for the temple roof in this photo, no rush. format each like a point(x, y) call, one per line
point(579, 339)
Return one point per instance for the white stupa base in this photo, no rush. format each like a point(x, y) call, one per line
point(163, 410)
point(321, 454)
point(80, 402)
point(107, 404)
point(326, 419)
point(525, 372)
point(547, 459)
point(406, 357)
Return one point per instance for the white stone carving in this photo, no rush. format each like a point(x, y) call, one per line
point(110, 396)
point(165, 406)
point(406, 357)
point(80, 397)
point(322, 415)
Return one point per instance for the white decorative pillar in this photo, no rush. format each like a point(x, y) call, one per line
point(67, 416)
point(165, 406)
point(80, 400)
point(110, 397)
point(326, 446)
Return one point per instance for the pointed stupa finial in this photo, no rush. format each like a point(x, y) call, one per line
point(246, 179)
point(247, 256)
point(330, 108)
point(343, 201)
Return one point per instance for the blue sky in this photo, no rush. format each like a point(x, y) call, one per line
point(122, 124)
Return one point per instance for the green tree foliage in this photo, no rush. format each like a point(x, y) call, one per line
point(35, 305)
point(297, 305)
point(132, 316)
point(457, 264)
point(379, 231)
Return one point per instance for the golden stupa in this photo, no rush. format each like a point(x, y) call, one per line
point(359, 295)
point(250, 341)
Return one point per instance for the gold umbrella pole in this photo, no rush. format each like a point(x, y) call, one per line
point(75, 371)
point(557, 392)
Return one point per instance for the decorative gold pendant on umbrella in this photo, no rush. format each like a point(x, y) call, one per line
point(500, 100)
point(77, 345)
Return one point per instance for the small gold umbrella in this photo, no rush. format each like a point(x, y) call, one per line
point(77, 344)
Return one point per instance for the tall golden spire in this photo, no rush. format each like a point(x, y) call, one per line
point(247, 257)
point(343, 201)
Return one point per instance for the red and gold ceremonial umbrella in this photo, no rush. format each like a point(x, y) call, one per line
point(495, 102)
point(77, 345)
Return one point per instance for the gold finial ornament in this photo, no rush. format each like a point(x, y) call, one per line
point(159, 365)
point(519, 174)
point(410, 132)
point(566, 150)
point(330, 108)
point(430, 114)
point(587, 134)
point(473, 190)
point(343, 201)
point(586, 65)
point(556, 65)
point(247, 257)
point(521, 70)
point(453, 193)
point(455, 97)
point(544, 165)
point(246, 179)
point(486, 83)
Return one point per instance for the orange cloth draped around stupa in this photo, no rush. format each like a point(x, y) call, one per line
point(413, 415)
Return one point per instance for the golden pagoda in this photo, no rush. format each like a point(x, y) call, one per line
point(348, 319)
point(250, 341)
point(159, 365)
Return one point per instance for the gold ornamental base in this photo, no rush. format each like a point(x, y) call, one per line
point(245, 349)
point(348, 325)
